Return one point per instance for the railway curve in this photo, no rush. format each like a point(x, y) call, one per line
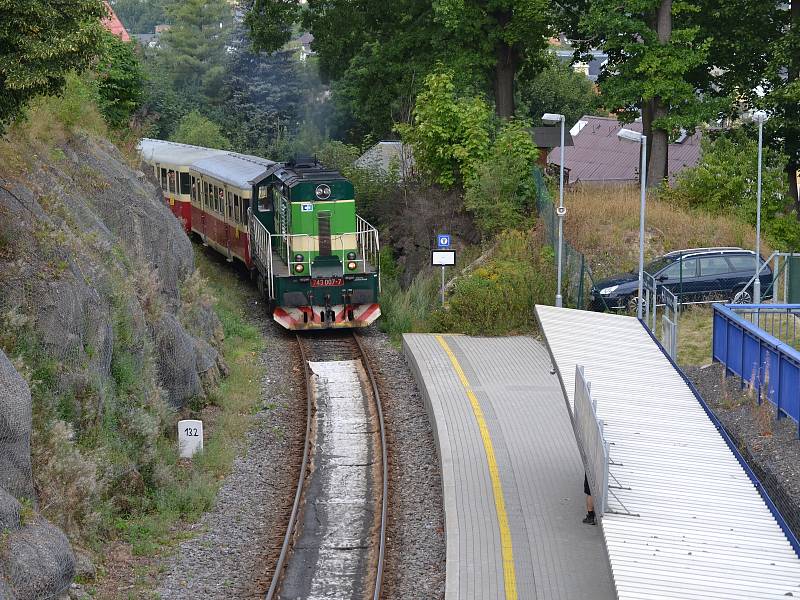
point(335, 540)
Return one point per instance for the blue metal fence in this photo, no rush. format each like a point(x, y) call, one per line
point(747, 350)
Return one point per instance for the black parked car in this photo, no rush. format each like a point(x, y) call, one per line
point(696, 275)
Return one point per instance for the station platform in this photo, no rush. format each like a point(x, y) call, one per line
point(511, 471)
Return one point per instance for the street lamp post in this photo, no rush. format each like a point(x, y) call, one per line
point(552, 119)
point(635, 136)
point(760, 116)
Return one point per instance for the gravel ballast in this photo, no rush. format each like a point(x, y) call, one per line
point(415, 540)
point(234, 549)
point(769, 446)
point(234, 545)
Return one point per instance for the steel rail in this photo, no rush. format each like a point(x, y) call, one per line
point(385, 462)
point(276, 576)
point(287, 541)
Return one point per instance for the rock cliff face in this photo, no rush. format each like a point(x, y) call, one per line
point(104, 333)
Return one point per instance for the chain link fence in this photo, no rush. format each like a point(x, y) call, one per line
point(577, 278)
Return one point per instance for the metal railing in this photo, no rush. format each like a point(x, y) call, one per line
point(780, 267)
point(369, 246)
point(289, 245)
point(261, 249)
point(757, 356)
point(591, 441)
point(669, 322)
point(781, 321)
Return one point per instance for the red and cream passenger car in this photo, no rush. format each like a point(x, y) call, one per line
point(209, 191)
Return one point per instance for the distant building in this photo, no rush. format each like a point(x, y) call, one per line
point(303, 46)
point(114, 25)
point(547, 138)
point(385, 157)
point(598, 155)
point(591, 69)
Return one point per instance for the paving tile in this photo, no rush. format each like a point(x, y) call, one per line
point(555, 555)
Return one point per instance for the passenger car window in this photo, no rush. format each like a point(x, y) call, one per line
point(713, 265)
point(185, 185)
point(742, 262)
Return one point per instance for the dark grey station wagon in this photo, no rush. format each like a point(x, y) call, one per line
point(695, 275)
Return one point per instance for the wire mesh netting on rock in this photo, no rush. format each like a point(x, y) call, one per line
point(97, 329)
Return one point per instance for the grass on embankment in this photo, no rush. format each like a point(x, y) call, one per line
point(227, 414)
point(603, 222)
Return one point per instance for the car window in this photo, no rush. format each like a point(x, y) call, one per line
point(713, 265)
point(742, 262)
point(689, 269)
point(658, 264)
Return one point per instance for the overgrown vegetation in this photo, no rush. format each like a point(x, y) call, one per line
point(226, 413)
point(603, 223)
point(725, 183)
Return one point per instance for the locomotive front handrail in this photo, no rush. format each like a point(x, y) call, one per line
point(263, 242)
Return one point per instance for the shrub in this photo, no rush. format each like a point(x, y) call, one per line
point(498, 297)
point(501, 194)
point(725, 180)
point(120, 81)
point(450, 135)
point(198, 130)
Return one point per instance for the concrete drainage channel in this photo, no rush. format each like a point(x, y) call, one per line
point(334, 545)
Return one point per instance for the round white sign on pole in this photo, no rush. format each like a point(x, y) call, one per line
point(190, 437)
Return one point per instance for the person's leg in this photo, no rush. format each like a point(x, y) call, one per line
point(589, 519)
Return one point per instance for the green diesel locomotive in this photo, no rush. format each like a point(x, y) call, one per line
point(294, 225)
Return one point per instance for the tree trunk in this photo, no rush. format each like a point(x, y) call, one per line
point(505, 70)
point(659, 153)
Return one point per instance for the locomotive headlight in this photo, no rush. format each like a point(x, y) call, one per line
point(351, 265)
point(351, 256)
point(299, 268)
point(298, 258)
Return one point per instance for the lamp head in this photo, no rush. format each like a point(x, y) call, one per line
point(759, 116)
point(552, 118)
point(630, 135)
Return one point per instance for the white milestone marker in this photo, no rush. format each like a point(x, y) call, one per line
point(190, 437)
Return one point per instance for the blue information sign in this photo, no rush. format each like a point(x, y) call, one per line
point(443, 240)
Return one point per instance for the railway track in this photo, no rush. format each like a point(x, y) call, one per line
point(334, 543)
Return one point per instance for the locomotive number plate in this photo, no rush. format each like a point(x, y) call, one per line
point(327, 282)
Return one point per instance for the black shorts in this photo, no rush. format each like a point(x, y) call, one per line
point(586, 489)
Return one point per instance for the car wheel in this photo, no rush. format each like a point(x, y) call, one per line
point(742, 297)
point(632, 304)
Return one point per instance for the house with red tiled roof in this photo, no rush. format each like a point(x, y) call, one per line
point(599, 156)
point(114, 25)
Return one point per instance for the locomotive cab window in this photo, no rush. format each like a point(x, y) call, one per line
point(265, 198)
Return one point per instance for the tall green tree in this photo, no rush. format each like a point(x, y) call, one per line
point(653, 52)
point(40, 43)
point(194, 53)
point(754, 60)
point(120, 80)
point(271, 21)
point(556, 88)
point(501, 35)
